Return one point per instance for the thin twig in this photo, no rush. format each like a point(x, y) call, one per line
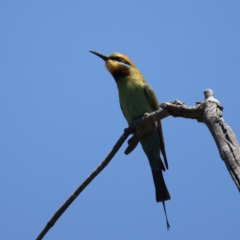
point(62, 209)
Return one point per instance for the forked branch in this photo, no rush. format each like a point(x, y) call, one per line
point(209, 111)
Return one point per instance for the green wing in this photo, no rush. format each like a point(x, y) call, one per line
point(152, 99)
point(154, 105)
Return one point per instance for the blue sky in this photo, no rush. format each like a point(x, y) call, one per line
point(60, 117)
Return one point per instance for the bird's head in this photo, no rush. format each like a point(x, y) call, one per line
point(117, 64)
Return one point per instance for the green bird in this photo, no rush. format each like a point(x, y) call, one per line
point(137, 98)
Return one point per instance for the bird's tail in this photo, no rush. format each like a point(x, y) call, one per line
point(162, 193)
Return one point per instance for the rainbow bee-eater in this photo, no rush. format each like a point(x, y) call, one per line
point(137, 98)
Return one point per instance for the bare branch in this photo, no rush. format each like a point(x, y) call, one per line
point(223, 135)
point(209, 111)
point(62, 209)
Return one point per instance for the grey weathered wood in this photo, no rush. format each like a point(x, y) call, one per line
point(223, 135)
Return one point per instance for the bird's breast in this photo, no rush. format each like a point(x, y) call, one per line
point(132, 98)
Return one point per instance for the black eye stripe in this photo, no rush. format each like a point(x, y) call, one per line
point(126, 62)
point(119, 59)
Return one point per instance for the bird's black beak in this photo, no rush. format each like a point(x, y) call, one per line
point(100, 55)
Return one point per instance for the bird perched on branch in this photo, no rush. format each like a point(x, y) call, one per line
point(137, 98)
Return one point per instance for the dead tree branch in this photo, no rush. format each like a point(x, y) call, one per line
point(62, 209)
point(209, 111)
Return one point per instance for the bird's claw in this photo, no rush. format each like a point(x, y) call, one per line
point(145, 115)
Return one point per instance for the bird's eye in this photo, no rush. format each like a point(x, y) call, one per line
point(120, 59)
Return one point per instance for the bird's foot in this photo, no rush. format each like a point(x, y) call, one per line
point(145, 115)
